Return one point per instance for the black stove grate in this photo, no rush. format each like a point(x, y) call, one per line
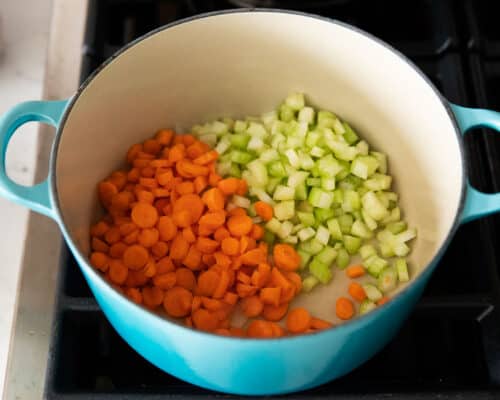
point(450, 346)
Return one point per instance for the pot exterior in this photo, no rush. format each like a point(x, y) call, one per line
point(253, 367)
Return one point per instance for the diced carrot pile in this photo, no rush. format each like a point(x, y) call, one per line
point(168, 242)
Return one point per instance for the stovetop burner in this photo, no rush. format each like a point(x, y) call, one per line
point(450, 346)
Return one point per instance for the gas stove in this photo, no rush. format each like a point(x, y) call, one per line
point(450, 346)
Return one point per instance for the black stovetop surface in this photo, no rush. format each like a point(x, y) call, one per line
point(450, 346)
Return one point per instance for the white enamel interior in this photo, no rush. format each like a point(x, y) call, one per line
point(241, 64)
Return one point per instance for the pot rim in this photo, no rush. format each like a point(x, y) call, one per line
point(352, 324)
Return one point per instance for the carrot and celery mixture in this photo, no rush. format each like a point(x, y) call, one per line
point(319, 187)
point(245, 217)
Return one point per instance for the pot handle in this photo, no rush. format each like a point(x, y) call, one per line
point(477, 204)
point(36, 197)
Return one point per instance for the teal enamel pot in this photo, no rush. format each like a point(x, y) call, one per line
point(239, 63)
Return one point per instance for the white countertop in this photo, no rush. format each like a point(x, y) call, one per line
point(41, 59)
point(22, 65)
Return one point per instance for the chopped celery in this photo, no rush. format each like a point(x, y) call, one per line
point(375, 265)
point(312, 138)
point(401, 249)
point(326, 118)
point(307, 219)
point(306, 233)
point(241, 157)
point(352, 244)
point(366, 251)
point(351, 182)
point(338, 127)
point(224, 168)
point(286, 113)
point(284, 193)
point(386, 250)
point(327, 255)
point(406, 235)
point(269, 155)
point(342, 258)
point(291, 239)
point(269, 118)
point(216, 127)
point(277, 139)
point(396, 227)
point(297, 178)
point(294, 142)
point(285, 230)
point(369, 221)
point(356, 214)
point(342, 150)
point(273, 225)
point(304, 206)
point(262, 195)
point(334, 228)
point(239, 140)
point(223, 145)
point(320, 270)
point(345, 222)
point(366, 306)
point(251, 210)
point(383, 199)
point(317, 151)
point(394, 216)
point(259, 172)
point(402, 270)
point(328, 166)
point(362, 148)
point(295, 101)
point(359, 229)
point(326, 186)
point(351, 201)
point(256, 144)
point(240, 126)
point(269, 237)
point(349, 134)
point(272, 184)
point(372, 292)
point(327, 183)
point(306, 162)
point(306, 115)
point(338, 196)
point(378, 182)
point(292, 157)
point(276, 169)
point(373, 207)
point(304, 258)
point(322, 235)
point(256, 130)
point(364, 166)
point(241, 201)
point(309, 283)
point(284, 210)
point(211, 139)
point(301, 191)
point(296, 227)
point(320, 198)
point(323, 214)
point(387, 279)
point(382, 161)
point(313, 182)
point(311, 246)
point(235, 171)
